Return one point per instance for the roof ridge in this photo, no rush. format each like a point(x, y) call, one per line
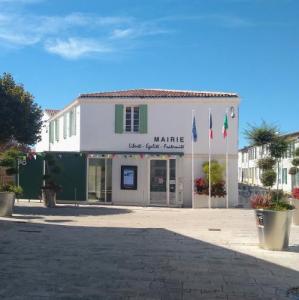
point(142, 92)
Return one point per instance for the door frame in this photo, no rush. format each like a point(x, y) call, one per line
point(87, 177)
point(167, 177)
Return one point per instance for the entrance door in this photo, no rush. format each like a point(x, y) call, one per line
point(100, 179)
point(158, 182)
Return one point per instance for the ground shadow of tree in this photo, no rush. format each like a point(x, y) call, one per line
point(47, 261)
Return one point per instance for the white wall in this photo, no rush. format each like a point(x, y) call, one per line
point(165, 118)
point(70, 143)
point(43, 144)
point(130, 197)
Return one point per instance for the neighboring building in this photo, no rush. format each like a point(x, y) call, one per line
point(249, 173)
point(137, 143)
point(43, 145)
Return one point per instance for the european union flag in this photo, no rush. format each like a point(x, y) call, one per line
point(194, 131)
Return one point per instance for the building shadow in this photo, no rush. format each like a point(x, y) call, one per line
point(67, 210)
point(48, 261)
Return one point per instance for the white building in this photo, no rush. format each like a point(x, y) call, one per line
point(138, 143)
point(44, 144)
point(249, 173)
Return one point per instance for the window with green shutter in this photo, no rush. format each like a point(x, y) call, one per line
point(51, 132)
point(143, 118)
point(56, 122)
point(65, 126)
point(119, 118)
point(71, 115)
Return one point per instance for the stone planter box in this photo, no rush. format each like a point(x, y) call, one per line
point(202, 201)
point(295, 202)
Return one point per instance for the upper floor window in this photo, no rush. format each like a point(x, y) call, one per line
point(132, 119)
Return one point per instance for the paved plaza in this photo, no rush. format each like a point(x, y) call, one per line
point(109, 252)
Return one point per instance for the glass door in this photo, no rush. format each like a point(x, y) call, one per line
point(158, 182)
point(100, 179)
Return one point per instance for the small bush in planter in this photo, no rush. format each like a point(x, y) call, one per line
point(9, 161)
point(274, 200)
point(217, 182)
point(12, 188)
point(216, 171)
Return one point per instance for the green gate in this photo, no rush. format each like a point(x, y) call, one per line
point(72, 177)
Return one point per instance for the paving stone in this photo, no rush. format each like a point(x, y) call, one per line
point(140, 253)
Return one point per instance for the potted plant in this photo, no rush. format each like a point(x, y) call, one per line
point(273, 212)
point(8, 190)
point(50, 187)
point(273, 218)
point(295, 202)
point(201, 198)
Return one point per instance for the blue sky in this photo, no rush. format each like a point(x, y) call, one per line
point(59, 49)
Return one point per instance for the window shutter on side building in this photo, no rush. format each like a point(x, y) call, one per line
point(143, 118)
point(119, 118)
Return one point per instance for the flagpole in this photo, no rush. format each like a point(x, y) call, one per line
point(209, 159)
point(192, 159)
point(226, 164)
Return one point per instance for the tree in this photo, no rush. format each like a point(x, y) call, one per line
point(267, 134)
point(20, 116)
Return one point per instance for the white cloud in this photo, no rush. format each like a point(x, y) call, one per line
point(122, 33)
point(74, 48)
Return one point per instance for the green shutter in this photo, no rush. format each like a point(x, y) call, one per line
point(57, 130)
point(64, 126)
point(119, 118)
point(143, 118)
point(51, 132)
point(70, 123)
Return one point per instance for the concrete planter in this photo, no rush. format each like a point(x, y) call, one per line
point(7, 201)
point(295, 202)
point(202, 201)
point(273, 228)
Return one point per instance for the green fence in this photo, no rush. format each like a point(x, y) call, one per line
point(72, 177)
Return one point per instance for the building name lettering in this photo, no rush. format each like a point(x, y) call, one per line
point(169, 139)
point(161, 143)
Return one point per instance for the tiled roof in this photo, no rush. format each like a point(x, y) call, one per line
point(156, 93)
point(52, 112)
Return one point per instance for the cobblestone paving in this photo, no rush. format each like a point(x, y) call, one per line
point(140, 253)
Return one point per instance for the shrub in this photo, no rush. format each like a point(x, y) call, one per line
point(266, 163)
point(260, 201)
point(268, 178)
point(293, 170)
point(295, 162)
point(200, 185)
point(216, 171)
point(218, 189)
point(12, 188)
point(277, 195)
